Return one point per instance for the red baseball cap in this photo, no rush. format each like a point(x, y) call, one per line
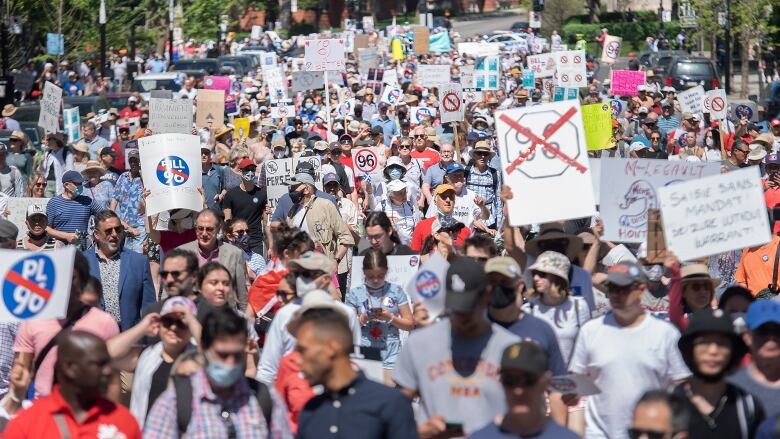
point(247, 163)
point(775, 122)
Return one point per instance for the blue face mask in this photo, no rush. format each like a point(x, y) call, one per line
point(242, 241)
point(308, 105)
point(79, 190)
point(395, 174)
point(223, 375)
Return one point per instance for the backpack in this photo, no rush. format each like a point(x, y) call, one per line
point(183, 387)
point(493, 174)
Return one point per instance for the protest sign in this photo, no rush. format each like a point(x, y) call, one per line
point(392, 95)
point(691, 100)
point(629, 188)
point(37, 284)
point(400, 269)
point(543, 65)
point(618, 107)
point(368, 22)
point(597, 120)
point(217, 83)
point(278, 171)
point(479, 49)
point(257, 32)
point(170, 116)
point(241, 128)
point(528, 78)
point(421, 35)
point(366, 161)
point(72, 122)
point(55, 44)
point(745, 110)
point(418, 114)
point(543, 151)
point(361, 42)
point(558, 47)
point(304, 81)
point(471, 95)
point(277, 83)
point(281, 111)
point(451, 106)
point(428, 285)
point(210, 111)
point(170, 166)
point(51, 102)
point(570, 69)
point(433, 75)
point(625, 82)
point(715, 214)
point(565, 94)
point(17, 211)
point(325, 54)
point(161, 94)
point(611, 49)
point(486, 73)
point(595, 178)
point(467, 76)
point(267, 60)
point(716, 103)
point(656, 243)
point(368, 58)
point(574, 384)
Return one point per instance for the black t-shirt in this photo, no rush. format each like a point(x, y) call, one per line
point(248, 206)
point(726, 422)
point(398, 250)
point(159, 383)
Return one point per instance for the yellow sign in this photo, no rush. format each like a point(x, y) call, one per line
point(241, 128)
point(597, 121)
point(397, 49)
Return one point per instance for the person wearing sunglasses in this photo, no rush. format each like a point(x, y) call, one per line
point(626, 352)
point(434, 175)
point(737, 156)
point(712, 350)
point(659, 415)
point(444, 205)
point(524, 376)
point(177, 327)
point(422, 148)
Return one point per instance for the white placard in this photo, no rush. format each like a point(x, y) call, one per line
point(467, 76)
point(51, 103)
point(611, 50)
point(451, 106)
point(716, 103)
point(17, 208)
point(170, 116)
point(366, 161)
point(303, 81)
point(37, 284)
point(417, 114)
point(543, 151)
point(322, 55)
point(715, 214)
point(257, 32)
point(400, 269)
point(471, 95)
point(267, 60)
point(368, 58)
point(543, 65)
point(629, 187)
point(428, 285)
point(392, 94)
point(691, 100)
point(570, 69)
point(479, 49)
point(744, 109)
point(595, 178)
point(282, 111)
point(277, 83)
point(433, 75)
point(170, 165)
point(278, 171)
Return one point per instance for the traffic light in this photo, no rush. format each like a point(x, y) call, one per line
point(538, 5)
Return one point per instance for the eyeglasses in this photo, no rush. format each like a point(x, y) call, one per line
point(480, 259)
point(40, 184)
point(515, 380)
point(111, 230)
point(311, 274)
point(285, 296)
point(240, 232)
point(481, 154)
point(636, 433)
point(205, 229)
point(175, 273)
point(541, 274)
point(335, 152)
point(743, 151)
point(447, 196)
point(168, 322)
point(419, 137)
point(655, 139)
point(404, 146)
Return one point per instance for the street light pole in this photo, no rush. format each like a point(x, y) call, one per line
point(170, 32)
point(102, 22)
point(4, 37)
point(727, 67)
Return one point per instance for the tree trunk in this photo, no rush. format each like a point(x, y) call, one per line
point(744, 67)
point(594, 8)
point(285, 14)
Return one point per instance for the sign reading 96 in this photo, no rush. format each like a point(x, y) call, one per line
point(366, 160)
point(173, 171)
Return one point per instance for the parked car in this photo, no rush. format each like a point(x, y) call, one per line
point(208, 65)
point(144, 84)
point(116, 100)
point(511, 41)
point(244, 60)
point(442, 22)
point(687, 72)
point(88, 104)
point(519, 26)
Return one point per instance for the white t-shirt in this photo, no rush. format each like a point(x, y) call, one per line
point(624, 363)
point(566, 320)
point(466, 210)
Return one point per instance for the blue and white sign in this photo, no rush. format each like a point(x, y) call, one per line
point(170, 165)
point(55, 44)
point(35, 285)
point(528, 78)
point(428, 285)
point(417, 114)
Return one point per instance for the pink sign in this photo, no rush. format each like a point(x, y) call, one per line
point(625, 82)
point(217, 83)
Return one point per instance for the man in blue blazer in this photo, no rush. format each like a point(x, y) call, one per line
point(125, 275)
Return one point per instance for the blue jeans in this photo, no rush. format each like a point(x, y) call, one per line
point(136, 243)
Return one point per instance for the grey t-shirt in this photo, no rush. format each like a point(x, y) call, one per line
point(767, 395)
point(456, 377)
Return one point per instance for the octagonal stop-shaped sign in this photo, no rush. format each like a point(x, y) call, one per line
point(544, 160)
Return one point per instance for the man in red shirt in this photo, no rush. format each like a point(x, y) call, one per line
point(444, 198)
point(76, 408)
point(132, 110)
point(428, 156)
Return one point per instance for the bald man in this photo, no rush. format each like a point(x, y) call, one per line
point(76, 407)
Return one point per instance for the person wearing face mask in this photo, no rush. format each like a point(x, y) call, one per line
point(37, 239)
point(279, 148)
point(237, 233)
point(444, 205)
point(240, 406)
point(128, 202)
point(314, 272)
point(712, 151)
point(308, 110)
point(378, 190)
point(383, 310)
point(249, 202)
point(69, 212)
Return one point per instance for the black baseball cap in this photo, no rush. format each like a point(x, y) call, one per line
point(525, 356)
point(304, 167)
point(466, 281)
point(377, 129)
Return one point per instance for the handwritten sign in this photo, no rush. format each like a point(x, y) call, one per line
point(278, 171)
point(597, 120)
point(715, 214)
point(625, 82)
point(303, 81)
point(322, 55)
point(543, 65)
point(421, 36)
point(433, 75)
point(51, 103)
point(629, 187)
point(210, 111)
point(170, 116)
point(692, 100)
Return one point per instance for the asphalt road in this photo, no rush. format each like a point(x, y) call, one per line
point(471, 28)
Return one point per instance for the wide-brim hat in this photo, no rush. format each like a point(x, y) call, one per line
point(553, 263)
point(697, 272)
point(554, 231)
point(94, 166)
point(9, 110)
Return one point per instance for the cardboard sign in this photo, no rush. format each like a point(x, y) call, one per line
point(303, 81)
point(368, 59)
point(366, 161)
point(217, 83)
point(543, 65)
point(400, 269)
point(392, 95)
point(170, 116)
point(361, 42)
point(715, 214)
point(656, 243)
point(428, 286)
point(241, 128)
point(611, 50)
point(433, 75)
point(170, 166)
point(325, 54)
point(282, 111)
point(597, 120)
point(716, 103)
point(625, 82)
point(487, 73)
point(629, 187)
point(543, 151)
point(210, 111)
point(51, 103)
point(37, 284)
point(278, 171)
point(570, 69)
point(72, 122)
point(451, 107)
point(692, 100)
point(17, 208)
point(421, 35)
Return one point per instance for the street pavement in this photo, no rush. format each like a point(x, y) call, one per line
point(468, 27)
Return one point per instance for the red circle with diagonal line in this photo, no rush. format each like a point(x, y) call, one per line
point(577, 59)
point(564, 59)
point(451, 102)
point(717, 103)
point(577, 77)
point(282, 111)
point(564, 78)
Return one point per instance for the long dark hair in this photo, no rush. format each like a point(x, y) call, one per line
point(373, 259)
point(382, 220)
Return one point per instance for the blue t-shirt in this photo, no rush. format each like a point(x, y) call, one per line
point(375, 333)
point(213, 183)
point(71, 215)
point(551, 430)
point(540, 332)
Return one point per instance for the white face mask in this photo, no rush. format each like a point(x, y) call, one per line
point(708, 141)
point(304, 285)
